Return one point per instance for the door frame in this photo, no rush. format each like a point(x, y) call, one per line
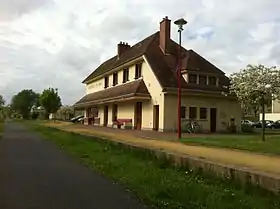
point(156, 117)
point(213, 120)
point(114, 112)
point(138, 115)
point(106, 115)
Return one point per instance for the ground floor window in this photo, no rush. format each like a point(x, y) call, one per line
point(192, 112)
point(183, 112)
point(203, 113)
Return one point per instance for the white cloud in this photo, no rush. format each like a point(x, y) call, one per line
point(59, 42)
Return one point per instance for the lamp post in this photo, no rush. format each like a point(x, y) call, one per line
point(180, 22)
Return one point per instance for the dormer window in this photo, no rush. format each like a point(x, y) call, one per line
point(138, 70)
point(125, 75)
point(115, 78)
point(202, 80)
point(212, 81)
point(106, 82)
point(193, 78)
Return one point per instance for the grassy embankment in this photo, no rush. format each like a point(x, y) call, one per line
point(155, 181)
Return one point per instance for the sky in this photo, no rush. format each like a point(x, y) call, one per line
point(57, 43)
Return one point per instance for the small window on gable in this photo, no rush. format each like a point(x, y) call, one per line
point(192, 113)
point(125, 75)
point(212, 80)
point(202, 80)
point(115, 78)
point(183, 112)
point(106, 82)
point(138, 70)
point(192, 78)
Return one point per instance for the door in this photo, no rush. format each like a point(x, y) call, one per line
point(213, 119)
point(106, 115)
point(114, 112)
point(156, 117)
point(138, 116)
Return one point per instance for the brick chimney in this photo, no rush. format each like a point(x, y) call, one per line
point(122, 47)
point(164, 34)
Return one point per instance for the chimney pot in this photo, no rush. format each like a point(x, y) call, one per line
point(122, 47)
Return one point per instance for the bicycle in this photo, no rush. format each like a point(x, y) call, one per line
point(192, 127)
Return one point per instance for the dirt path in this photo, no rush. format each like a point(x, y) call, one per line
point(248, 160)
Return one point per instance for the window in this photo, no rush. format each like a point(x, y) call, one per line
point(192, 78)
point(106, 82)
point(203, 113)
point(212, 80)
point(183, 112)
point(138, 70)
point(115, 79)
point(192, 113)
point(125, 75)
point(202, 79)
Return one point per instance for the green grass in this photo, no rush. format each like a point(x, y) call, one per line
point(250, 142)
point(154, 181)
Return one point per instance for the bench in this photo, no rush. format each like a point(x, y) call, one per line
point(123, 122)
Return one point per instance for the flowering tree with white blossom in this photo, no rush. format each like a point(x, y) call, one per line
point(255, 85)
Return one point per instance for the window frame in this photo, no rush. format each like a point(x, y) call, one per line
point(138, 70)
point(183, 112)
point(209, 83)
point(190, 112)
point(199, 80)
point(106, 82)
point(206, 112)
point(125, 75)
point(189, 76)
point(115, 78)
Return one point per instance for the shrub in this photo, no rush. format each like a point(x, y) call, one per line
point(246, 128)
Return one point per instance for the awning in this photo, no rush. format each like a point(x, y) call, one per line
point(128, 91)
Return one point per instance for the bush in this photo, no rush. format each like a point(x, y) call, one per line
point(246, 128)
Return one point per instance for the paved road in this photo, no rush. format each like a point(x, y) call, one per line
point(35, 174)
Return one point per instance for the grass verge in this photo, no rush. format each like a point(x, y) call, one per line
point(243, 142)
point(155, 182)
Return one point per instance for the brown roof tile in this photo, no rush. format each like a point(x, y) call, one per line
point(163, 65)
point(135, 51)
point(135, 88)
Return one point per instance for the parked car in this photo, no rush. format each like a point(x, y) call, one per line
point(259, 124)
point(77, 118)
point(274, 125)
point(246, 122)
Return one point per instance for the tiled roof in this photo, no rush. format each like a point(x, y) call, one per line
point(134, 88)
point(135, 51)
point(163, 65)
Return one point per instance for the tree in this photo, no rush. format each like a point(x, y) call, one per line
point(50, 100)
point(254, 86)
point(23, 102)
point(2, 103)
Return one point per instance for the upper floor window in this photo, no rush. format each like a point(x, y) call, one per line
point(212, 80)
point(202, 79)
point(115, 78)
point(106, 82)
point(125, 75)
point(138, 70)
point(192, 78)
